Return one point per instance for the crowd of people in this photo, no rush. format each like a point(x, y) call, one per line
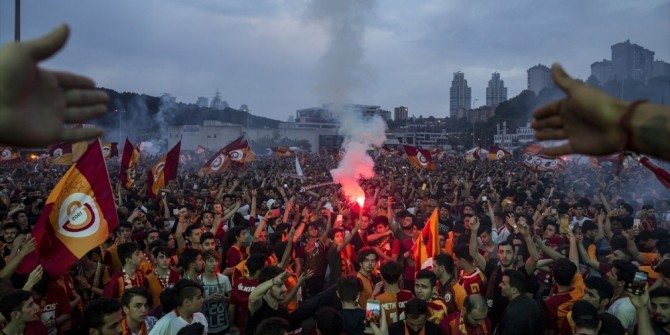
point(250, 251)
point(232, 251)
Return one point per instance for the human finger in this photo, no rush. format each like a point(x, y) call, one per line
point(561, 78)
point(554, 121)
point(559, 150)
point(550, 134)
point(71, 80)
point(85, 97)
point(552, 108)
point(81, 114)
point(79, 134)
point(47, 45)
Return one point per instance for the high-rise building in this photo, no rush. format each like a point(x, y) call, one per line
point(660, 68)
point(631, 61)
point(202, 102)
point(539, 77)
point(460, 94)
point(400, 113)
point(602, 71)
point(496, 92)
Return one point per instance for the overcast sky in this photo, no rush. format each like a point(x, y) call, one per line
point(270, 54)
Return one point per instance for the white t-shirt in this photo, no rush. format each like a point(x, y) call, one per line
point(624, 310)
point(170, 324)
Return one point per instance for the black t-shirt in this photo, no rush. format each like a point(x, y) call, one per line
point(265, 312)
point(353, 321)
point(499, 302)
point(398, 328)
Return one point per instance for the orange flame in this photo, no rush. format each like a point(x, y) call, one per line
point(360, 201)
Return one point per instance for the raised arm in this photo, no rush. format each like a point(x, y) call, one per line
point(474, 244)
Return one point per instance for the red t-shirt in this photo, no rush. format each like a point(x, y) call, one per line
point(240, 298)
point(234, 256)
point(473, 282)
point(53, 306)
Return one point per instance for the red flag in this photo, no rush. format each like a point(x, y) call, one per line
point(496, 153)
point(239, 151)
point(110, 150)
point(219, 163)
point(541, 163)
point(283, 152)
point(419, 158)
point(67, 153)
point(662, 175)
point(9, 155)
point(427, 244)
point(78, 216)
point(163, 171)
point(128, 164)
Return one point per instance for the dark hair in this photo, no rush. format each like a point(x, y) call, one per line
point(625, 271)
point(445, 260)
point(13, 225)
point(611, 324)
point(133, 292)
point(380, 219)
point(160, 250)
point(126, 250)
point(185, 289)
point(473, 301)
point(426, 274)
point(328, 321)
point(233, 234)
point(364, 253)
point(211, 254)
point(207, 236)
point(462, 251)
point(659, 292)
point(259, 247)
point(589, 225)
point(189, 230)
point(604, 288)
point(268, 272)
point(13, 301)
point(188, 256)
point(564, 271)
point(516, 280)
point(196, 328)
point(348, 288)
point(271, 326)
point(416, 308)
point(255, 263)
point(391, 271)
point(96, 310)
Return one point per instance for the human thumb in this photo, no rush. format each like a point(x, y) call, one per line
point(561, 78)
point(47, 45)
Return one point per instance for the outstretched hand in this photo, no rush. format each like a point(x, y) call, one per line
point(587, 118)
point(35, 103)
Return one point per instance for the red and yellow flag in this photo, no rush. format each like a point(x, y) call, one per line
point(283, 152)
point(239, 151)
point(78, 216)
point(128, 164)
point(496, 153)
point(67, 153)
point(419, 158)
point(219, 163)
point(163, 171)
point(110, 150)
point(9, 155)
point(427, 244)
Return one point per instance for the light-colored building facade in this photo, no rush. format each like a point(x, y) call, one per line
point(511, 141)
point(460, 95)
point(539, 77)
point(602, 71)
point(496, 92)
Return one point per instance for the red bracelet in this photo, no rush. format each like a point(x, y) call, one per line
point(624, 123)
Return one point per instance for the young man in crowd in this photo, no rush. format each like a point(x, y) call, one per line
point(367, 258)
point(448, 287)
point(136, 319)
point(163, 276)
point(242, 288)
point(21, 314)
point(188, 298)
point(130, 256)
point(522, 315)
point(471, 320)
point(425, 289)
point(191, 261)
point(416, 321)
point(265, 300)
point(394, 298)
point(217, 292)
point(103, 317)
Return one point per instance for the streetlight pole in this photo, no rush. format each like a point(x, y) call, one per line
point(473, 124)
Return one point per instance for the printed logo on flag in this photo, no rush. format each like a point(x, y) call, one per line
point(6, 153)
point(105, 150)
point(217, 163)
point(158, 170)
point(58, 153)
point(500, 154)
point(422, 159)
point(236, 155)
point(77, 217)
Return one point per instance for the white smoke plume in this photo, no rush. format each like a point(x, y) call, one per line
point(343, 74)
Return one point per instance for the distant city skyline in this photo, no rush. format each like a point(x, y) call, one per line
point(266, 54)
